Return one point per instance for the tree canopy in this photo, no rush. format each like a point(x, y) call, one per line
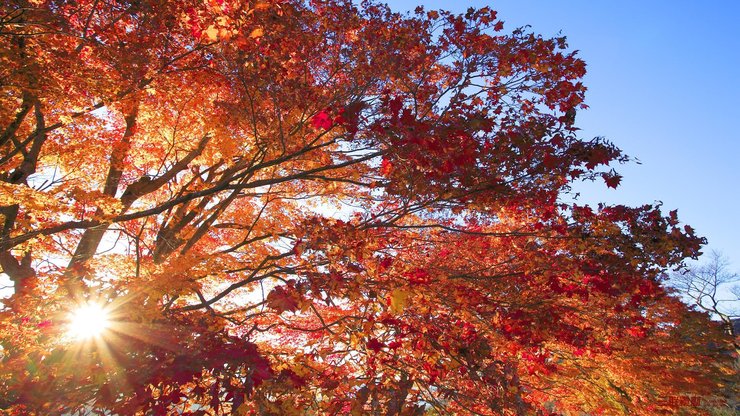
point(320, 207)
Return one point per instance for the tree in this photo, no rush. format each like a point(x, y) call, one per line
point(317, 207)
point(703, 285)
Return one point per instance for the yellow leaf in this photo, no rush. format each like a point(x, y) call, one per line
point(256, 33)
point(399, 299)
point(211, 33)
point(243, 410)
point(224, 34)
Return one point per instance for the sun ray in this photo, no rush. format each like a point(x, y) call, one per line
point(88, 321)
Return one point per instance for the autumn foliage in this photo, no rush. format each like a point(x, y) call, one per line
point(322, 208)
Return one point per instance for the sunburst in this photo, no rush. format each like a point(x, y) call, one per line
point(88, 321)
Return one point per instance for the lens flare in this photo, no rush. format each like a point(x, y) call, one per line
point(88, 321)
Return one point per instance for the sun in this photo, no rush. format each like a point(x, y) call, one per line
point(88, 321)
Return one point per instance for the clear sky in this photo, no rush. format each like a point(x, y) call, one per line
point(663, 85)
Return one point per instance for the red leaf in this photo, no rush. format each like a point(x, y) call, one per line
point(294, 379)
point(386, 167)
point(322, 120)
point(395, 105)
point(386, 263)
point(636, 331)
point(418, 276)
point(44, 324)
point(599, 155)
point(394, 345)
point(282, 300)
point(374, 345)
point(612, 179)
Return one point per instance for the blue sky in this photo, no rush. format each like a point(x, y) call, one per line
point(664, 85)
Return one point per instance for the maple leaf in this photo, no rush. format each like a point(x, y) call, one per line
point(291, 376)
point(418, 276)
point(322, 120)
point(211, 33)
point(386, 167)
point(636, 331)
point(283, 299)
point(256, 33)
point(395, 105)
point(398, 300)
point(599, 154)
point(374, 345)
point(612, 179)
